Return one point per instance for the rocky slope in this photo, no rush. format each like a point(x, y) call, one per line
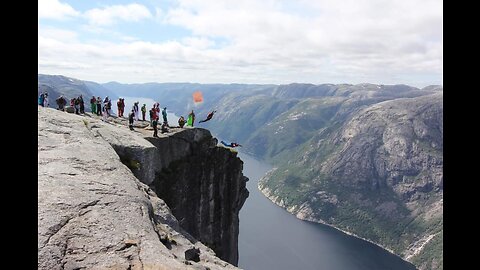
point(93, 213)
point(378, 175)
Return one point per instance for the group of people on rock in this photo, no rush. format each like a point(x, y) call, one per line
point(101, 107)
point(77, 103)
point(104, 108)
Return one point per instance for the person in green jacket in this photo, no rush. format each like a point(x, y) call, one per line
point(191, 119)
point(144, 110)
point(93, 105)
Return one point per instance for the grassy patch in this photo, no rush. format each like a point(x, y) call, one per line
point(132, 164)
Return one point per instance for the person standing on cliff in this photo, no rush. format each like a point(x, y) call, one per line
point(156, 110)
point(82, 104)
point(164, 114)
point(120, 107)
point(131, 116)
point(135, 110)
point(76, 105)
point(105, 113)
point(151, 114)
point(99, 106)
point(191, 119)
point(40, 99)
point(93, 105)
point(107, 104)
point(144, 110)
point(155, 127)
point(45, 100)
point(109, 107)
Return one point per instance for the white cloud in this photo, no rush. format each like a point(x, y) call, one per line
point(111, 14)
point(349, 41)
point(57, 34)
point(53, 9)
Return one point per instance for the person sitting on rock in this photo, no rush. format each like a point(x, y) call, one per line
point(164, 127)
point(181, 121)
point(61, 102)
point(131, 116)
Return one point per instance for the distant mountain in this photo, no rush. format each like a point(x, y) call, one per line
point(57, 85)
point(433, 88)
point(100, 91)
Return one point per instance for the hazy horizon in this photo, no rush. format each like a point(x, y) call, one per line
point(116, 81)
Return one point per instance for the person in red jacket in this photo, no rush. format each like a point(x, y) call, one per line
point(120, 107)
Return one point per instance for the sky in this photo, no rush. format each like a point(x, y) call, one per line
point(243, 41)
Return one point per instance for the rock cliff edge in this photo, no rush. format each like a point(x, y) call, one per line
point(111, 198)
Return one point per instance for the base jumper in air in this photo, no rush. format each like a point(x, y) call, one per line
point(232, 144)
point(209, 116)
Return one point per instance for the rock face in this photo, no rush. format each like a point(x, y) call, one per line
point(196, 188)
point(93, 213)
point(394, 144)
point(201, 183)
point(378, 175)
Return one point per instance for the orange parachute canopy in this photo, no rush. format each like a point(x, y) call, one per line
point(197, 96)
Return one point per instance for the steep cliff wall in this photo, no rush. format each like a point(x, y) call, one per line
point(93, 213)
point(203, 184)
point(206, 191)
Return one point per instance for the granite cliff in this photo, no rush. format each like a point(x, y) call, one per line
point(98, 197)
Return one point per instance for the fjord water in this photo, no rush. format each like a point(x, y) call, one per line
point(270, 238)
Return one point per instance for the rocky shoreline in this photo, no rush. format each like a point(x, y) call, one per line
point(298, 213)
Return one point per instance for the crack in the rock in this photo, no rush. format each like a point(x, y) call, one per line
point(62, 224)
